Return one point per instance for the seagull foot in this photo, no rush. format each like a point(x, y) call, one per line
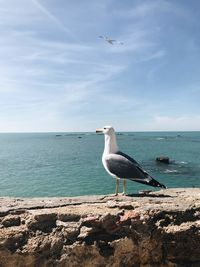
point(123, 193)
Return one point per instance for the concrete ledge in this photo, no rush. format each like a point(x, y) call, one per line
point(158, 229)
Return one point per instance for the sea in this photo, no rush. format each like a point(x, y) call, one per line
point(69, 164)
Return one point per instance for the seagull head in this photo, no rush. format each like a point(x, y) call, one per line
point(107, 130)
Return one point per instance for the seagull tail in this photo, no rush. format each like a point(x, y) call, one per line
point(155, 183)
point(150, 181)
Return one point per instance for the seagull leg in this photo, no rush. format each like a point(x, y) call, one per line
point(124, 187)
point(117, 187)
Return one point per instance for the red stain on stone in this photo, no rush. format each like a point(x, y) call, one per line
point(129, 215)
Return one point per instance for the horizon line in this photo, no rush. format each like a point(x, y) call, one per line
point(123, 131)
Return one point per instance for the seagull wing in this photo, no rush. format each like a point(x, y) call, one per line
point(110, 41)
point(124, 166)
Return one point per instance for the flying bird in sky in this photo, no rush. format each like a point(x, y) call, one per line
point(121, 166)
point(110, 41)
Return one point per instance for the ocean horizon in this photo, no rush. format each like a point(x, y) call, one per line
point(52, 164)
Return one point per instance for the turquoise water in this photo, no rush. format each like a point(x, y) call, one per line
point(69, 164)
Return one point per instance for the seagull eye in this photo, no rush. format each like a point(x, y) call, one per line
point(104, 128)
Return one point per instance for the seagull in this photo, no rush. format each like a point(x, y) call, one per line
point(121, 166)
point(110, 41)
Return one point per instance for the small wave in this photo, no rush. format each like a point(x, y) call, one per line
point(183, 162)
point(160, 138)
point(170, 171)
point(180, 163)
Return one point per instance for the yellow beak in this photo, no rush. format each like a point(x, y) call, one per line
point(99, 130)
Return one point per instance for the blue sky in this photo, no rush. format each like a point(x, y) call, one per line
point(57, 75)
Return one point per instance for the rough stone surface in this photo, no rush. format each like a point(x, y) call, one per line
point(160, 229)
point(163, 160)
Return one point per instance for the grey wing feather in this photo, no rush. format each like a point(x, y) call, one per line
point(134, 162)
point(124, 166)
point(128, 157)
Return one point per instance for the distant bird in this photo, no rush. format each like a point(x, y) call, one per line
point(110, 41)
point(122, 166)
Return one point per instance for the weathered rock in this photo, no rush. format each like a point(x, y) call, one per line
point(161, 229)
point(44, 222)
point(11, 220)
point(163, 160)
point(85, 232)
point(68, 217)
point(69, 230)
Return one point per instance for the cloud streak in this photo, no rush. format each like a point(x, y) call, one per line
point(53, 18)
point(47, 72)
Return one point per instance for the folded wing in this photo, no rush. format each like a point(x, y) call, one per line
point(124, 166)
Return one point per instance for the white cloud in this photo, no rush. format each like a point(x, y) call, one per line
point(55, 20)
point(145, 10)
point(155, 55)
point(48, 77)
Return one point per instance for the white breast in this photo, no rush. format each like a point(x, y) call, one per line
point(110, 147)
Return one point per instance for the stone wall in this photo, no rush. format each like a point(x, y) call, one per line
point(161, 229)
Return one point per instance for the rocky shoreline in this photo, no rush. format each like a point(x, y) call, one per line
point(161, 229)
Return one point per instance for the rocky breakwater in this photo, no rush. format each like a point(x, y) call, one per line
point(159, 230)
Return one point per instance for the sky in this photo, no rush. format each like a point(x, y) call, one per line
point(56, 74)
